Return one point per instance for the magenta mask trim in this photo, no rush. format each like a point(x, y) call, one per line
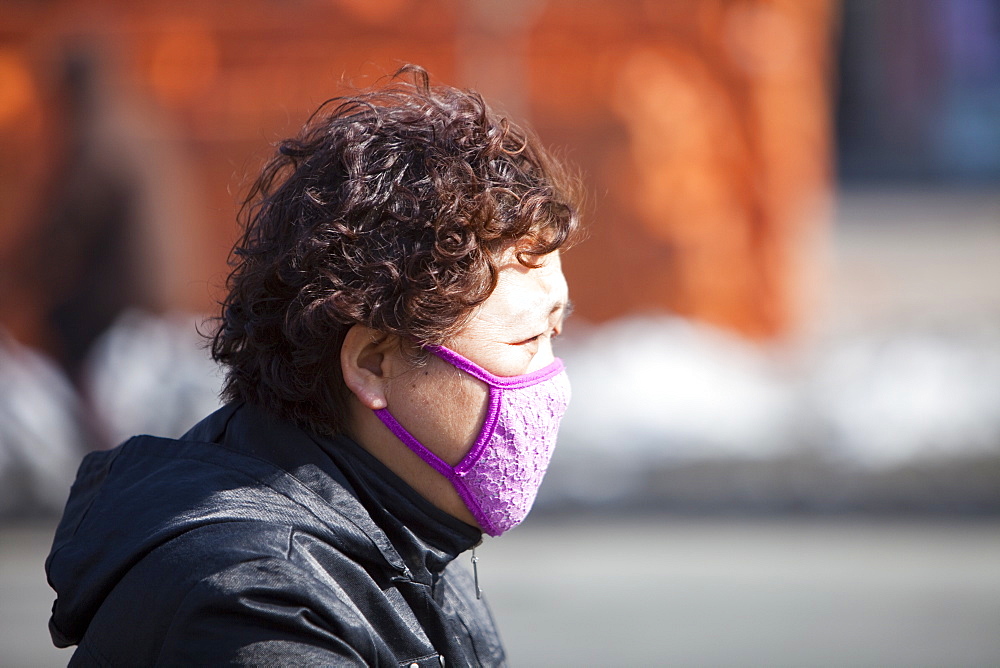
point(499, 477)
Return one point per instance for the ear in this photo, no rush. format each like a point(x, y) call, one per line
point(365, 363)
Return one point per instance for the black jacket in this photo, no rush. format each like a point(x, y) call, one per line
point(250, 541)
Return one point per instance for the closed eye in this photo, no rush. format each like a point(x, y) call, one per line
point(552, 334)
point(531, 340)
point(567, 309)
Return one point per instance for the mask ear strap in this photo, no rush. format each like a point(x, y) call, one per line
point(485, 433)
point(407, 438)
point(442, 466)
point(506, 382)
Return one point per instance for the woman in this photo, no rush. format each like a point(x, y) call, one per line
point(392, 394)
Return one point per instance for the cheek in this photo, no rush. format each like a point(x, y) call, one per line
point(442, 407)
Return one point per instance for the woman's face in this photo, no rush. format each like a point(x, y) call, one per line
point(509, 334)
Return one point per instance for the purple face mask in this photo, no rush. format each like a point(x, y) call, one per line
point(499, 478)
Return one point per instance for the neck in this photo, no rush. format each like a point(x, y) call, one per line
point(372, 435)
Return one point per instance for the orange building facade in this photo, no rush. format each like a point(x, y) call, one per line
point(701, 130)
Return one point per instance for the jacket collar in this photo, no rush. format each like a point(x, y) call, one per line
point(392, 514)
point(427, 537)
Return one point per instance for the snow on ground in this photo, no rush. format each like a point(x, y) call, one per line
point(664, 388)
point(152, 375)
point(41, 430)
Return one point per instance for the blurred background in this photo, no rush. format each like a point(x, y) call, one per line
point(784, 446)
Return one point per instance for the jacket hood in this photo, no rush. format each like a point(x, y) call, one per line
point(131, 500)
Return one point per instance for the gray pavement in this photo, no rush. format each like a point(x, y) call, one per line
point(808, 592)
point(672, 592)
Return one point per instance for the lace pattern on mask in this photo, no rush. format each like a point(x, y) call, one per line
point(509, 470)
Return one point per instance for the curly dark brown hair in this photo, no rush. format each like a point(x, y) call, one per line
point(391, 209)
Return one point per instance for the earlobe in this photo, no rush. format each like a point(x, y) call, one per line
point(363, 363)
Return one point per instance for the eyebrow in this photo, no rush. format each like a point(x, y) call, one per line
point(566, 306)
point(529, 314)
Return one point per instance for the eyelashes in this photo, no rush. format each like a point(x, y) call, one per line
point(552, 334)
point(556, 330)
point(533, 339)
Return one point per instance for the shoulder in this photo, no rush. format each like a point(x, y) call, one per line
point(265, 610)
point(243, 592)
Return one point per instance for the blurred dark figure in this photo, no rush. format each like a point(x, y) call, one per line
point(84, 262)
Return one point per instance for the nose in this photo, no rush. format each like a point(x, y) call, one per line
point(544, 357)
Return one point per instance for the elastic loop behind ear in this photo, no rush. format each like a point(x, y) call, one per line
point(413, 444)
